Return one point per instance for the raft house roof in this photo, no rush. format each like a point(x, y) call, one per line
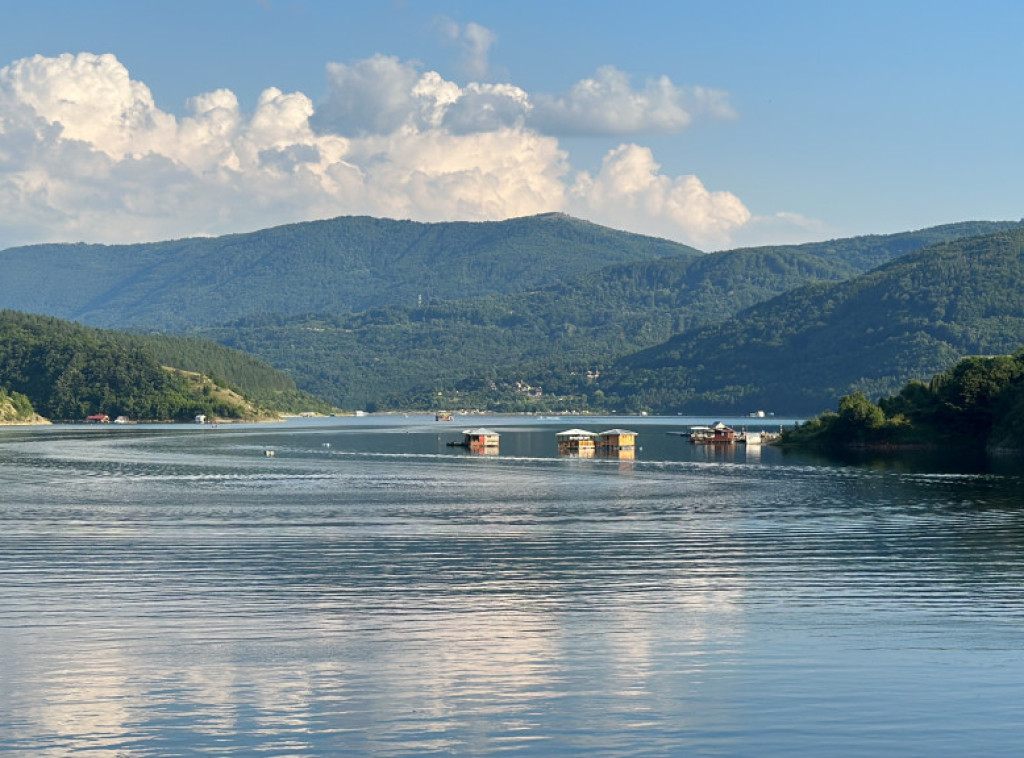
point(576, 433)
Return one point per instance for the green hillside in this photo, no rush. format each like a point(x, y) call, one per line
point(977, 404)
point(532, 313)
point(340, 265)
point(65, 371)
point(402, 357)
point(257, 381)
point(869, 251)
point(352, 264)
point(486, 351)
point(801, 351)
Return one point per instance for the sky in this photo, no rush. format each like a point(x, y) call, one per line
point(717, 124)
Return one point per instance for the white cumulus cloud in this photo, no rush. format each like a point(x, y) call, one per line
point(608, 104)
point(86, 154)
point(629, 189)
point(91, 98)
point(475, 41)
point(379, 94)
point(487, 107)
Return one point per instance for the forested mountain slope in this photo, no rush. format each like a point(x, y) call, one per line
point(67, 371)
point(352, 264)
point(801, 351)
point(256, 380)
point(397, 357)
point(869, 251)
point(474, 351)
point(340, 265)
point(387, 314)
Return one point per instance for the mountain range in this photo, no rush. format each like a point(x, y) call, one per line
point(340, 265)
point(550, 312)
point(910, 318)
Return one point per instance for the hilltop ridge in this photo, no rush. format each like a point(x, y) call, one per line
point(345, 264)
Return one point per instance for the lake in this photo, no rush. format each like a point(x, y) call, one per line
point(370, 591)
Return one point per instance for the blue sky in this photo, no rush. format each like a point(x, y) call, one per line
point(718, 124)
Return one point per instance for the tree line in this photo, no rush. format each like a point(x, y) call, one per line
point(66, 371)
point(978, 403)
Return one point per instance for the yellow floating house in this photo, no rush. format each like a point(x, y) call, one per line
point(616, 439)
point(576, 442)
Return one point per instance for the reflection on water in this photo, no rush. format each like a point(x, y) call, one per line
point(369, 591)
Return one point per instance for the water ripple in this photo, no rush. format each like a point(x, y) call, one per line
point(180, 594)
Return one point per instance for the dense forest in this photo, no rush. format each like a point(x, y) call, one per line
point(257, 381)
point(402, 357)
point(65, 371)
point(547, 349)
point(978, 403)
point(800, 351)
point(545, 313)
point(340, 265)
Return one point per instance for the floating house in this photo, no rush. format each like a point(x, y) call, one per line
point(98, 418)
point(616, 439)
point(576, 442)
point(717, 434)
point(442, 416)
point(480, 438)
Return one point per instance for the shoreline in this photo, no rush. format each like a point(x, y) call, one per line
point(38, 421)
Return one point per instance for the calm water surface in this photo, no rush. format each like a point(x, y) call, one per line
point(369, 591)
